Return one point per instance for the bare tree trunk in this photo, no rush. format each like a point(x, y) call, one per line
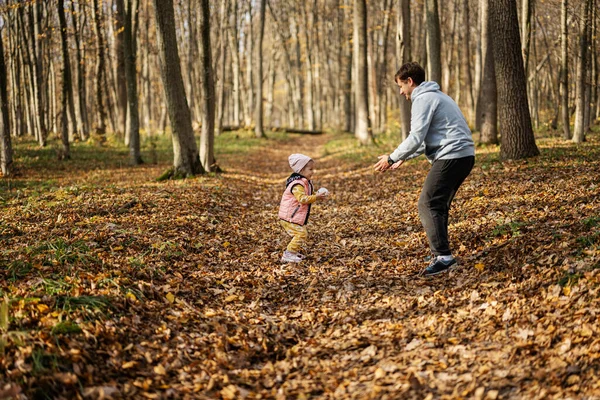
point(6, 153)
point(120, 73)
point(310, 107)
point(100, 128)
point(346, 75)
point(67, 90)
point(38, 80)
point(220, 111)
point(186, 160)
point(273, 65)
point(434, 42)
point(207, 136)
point(82, 120)
point(362, 128)
point(515, 121)
point(235, 55)
point(249, 67)
point(129, 49)
point(466, 62)
point(579, 129)
point(526, 10)
point(487, 103)
point(564, 71)
point(258, 112)
point(403, 54)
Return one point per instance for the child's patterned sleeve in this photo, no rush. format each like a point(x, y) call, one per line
point(301, 196)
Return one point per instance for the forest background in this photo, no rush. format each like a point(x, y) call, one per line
point(117, 284)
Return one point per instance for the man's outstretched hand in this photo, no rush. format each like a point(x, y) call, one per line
point(382, 165)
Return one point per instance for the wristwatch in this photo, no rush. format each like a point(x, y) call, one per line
point(390, 161)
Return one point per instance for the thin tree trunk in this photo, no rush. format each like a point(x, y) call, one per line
point(38, 80)
point(82, 120)
point(100, 128)
point(235, 65)
point(258, 112)
point(434, 42)
point(362, 128)
point(186, 159)
point(129, 48)
point(403, 54)
point(249, 67)
point(6, 153)
point(66, 90)
point(564, 71)
point(526, 11)
point(220, 111)
point(487, 103)
point(579, 129)
point(122, 99)
point(207, 137)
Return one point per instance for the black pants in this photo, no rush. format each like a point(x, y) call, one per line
point(441, 184)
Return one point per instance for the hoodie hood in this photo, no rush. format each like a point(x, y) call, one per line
point(424, 87)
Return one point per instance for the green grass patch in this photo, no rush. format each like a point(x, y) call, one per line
point(88, 303)
point(66, 328)
point(512, 228)
point(589, 240)
point(18, 269)
point(592, 221)
point(569, 279)
point(62, 252)
point(244, 141)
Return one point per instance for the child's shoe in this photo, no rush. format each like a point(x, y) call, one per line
point(289, 256)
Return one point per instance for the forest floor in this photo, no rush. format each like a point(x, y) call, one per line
point(114, 285)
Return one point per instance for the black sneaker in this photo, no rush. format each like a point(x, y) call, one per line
point(437, 267)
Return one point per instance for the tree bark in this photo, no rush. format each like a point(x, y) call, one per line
point(564, 71)
point(207, 136)
point(362, 127)
point(220, 111)
point(434, 42)
point(82, 120)
point(258, 111)
point(403, 54)
point(186, 159)
point(129, 49)
point(517, 140)
point(66, 84)
point(6, 153)
point(487, 103)
point(122, 98)
point(579, 129)
point(100, 128)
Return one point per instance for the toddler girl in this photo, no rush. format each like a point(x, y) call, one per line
point(296, 201)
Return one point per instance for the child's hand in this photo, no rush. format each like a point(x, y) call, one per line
point(322, 194)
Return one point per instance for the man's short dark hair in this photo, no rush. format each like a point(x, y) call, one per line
point(411, 70)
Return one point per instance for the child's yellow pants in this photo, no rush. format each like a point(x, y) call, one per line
point(298, 233)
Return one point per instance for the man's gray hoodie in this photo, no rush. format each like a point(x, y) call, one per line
point(437, 127)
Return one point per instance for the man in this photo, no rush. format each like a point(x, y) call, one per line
point(440, 131)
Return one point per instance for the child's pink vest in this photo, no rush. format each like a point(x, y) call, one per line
point(289, 208)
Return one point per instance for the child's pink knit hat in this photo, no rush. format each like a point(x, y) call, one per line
point(298, 161)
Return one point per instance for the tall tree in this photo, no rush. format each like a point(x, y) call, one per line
point(403, 55)
point(121, 73)
point(362, 126)
point(100, 128)
point(487, 115)
point(207, 137)
point(581, 105)
point(82, 119)
point(517, 140)
point(6, 153)
point(564, 70)
point(186, 159)
point(223, 31)
point(38, 75)
point(67, 103)
point(526, 18)
point(258, 112)
point(434, 42)
point(129, 49)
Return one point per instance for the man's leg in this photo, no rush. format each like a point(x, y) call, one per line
point(441, 184)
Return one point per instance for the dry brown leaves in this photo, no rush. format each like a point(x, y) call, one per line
point(116, 286)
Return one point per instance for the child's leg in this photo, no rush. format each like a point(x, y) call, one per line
point(299, 236)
